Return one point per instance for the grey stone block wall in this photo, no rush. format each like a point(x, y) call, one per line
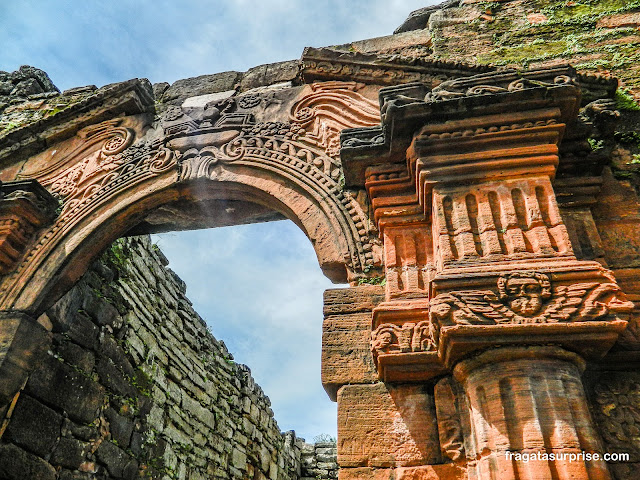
point(135, 386)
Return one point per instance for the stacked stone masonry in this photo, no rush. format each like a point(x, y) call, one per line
point(135, 386)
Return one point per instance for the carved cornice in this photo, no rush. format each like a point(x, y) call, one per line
point(460, 110)
point(328, 64)
point(128, 98)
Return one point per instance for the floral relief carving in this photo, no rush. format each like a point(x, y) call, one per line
point(92, 171)
point(528, 298)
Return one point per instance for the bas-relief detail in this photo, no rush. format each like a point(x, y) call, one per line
point(450, 407)
point(459, 88)
point(521, 298)
point(107, 161)
point(330, 108)
point(409, 337)
point(83, 181)
point(365, 72)
point(527, 298)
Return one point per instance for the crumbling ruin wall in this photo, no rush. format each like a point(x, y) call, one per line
point(134, 385)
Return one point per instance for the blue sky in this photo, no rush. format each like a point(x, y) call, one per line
point(258, 286)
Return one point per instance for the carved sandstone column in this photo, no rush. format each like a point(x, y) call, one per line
point(504, 304)
point(529, 416)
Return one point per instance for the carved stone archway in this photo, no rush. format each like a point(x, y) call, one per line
point(449, 191)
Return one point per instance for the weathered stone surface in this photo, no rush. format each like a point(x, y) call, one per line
point(118, 463)
point(61, 386)
point(202, 85)
point(16, 464)
point(69, 453)
point(23, 343)
point(620, 20)
point(431, 472)
point(27, 87)
point(25, 72)
point(121, 428)
point(270, 74)
point(346, 351)
point(419, 39)
point(34, 426)
point(340, 301)
point(76, 355)
point(385, 426)
point(159, 89)
point(418, 18)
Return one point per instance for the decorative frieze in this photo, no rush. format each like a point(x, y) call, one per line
point(328, 64)
point(529, 298)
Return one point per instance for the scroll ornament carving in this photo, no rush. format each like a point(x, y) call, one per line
point(366, 72)
point(81, 187)
point(92, 171)
point(277, 141)
point(458, 88)
point(529, 298)
point(330, 108)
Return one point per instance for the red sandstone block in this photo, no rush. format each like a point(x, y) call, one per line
point(620, 20)
point(346, 354)
point(386, 426)
point(427, 472)
point(352, 300)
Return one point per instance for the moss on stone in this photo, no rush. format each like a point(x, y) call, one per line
point(624, 101)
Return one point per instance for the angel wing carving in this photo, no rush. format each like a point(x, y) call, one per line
point(523, 303)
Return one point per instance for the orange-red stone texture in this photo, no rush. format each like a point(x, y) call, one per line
point(346, 334)
point(384, 425)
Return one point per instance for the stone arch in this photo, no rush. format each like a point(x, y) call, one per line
point(112, 175)
point(89, 224)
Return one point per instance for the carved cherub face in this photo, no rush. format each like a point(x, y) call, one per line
point(525, 293)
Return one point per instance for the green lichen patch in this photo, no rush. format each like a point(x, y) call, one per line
point(624, 101)
point(585, 12)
